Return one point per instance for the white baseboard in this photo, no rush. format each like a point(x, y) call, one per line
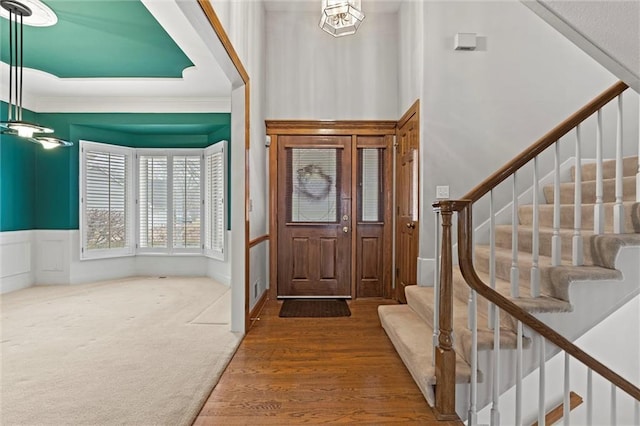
point(219, 271)
point(426, 269)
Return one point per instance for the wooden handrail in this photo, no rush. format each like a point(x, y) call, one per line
point(445, 373)
point(258, 240)
point(465, 260)
point(545, 142)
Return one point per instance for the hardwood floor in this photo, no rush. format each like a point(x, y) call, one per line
point(317, 370)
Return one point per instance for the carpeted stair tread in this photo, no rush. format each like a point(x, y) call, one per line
point(422, 303)
point(554, 281)
point(605, 247)
point(629, 168)
point(589, 191)
point(412, 339)
point(542, 304)
point(461, 291)
point(545, 214)
point(598, 250)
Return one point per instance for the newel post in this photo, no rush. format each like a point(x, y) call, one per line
point(445, 406)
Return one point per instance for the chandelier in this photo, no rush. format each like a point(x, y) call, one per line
point(15, 125)
point(341, 17)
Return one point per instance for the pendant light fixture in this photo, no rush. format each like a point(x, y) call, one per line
point(15, 125)
point(341, 17)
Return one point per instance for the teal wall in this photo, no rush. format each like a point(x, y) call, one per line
point(17, 184)
point(39, 188)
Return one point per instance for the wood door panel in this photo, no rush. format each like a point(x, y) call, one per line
point(371, 266)
point(300, 256)
point(328, 253)
point(313, 251)
point(371, 270)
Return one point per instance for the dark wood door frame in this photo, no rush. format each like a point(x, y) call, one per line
point(275, 128)
point(407, 205)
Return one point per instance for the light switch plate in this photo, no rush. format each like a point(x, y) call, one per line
point(442, 192)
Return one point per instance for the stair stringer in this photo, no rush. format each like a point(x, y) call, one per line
point(610, 296)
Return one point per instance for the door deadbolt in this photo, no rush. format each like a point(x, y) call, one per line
point(345, 217)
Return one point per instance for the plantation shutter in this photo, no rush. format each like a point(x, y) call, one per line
point(214, 201)
point(106, 200)
point(153, 201)
point(187, 201)
point(370, 185)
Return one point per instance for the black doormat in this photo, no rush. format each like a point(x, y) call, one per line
point(316, 308)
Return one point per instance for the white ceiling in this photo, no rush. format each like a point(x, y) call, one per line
point(368, 6)
point(202, 88)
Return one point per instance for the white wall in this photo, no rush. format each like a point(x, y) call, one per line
point(411, 34)
point(244, 22)
point(312, 75)
point(607, 30)
point(481, 108)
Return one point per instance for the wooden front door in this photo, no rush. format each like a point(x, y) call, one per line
point(407, 184)
point(314, 216)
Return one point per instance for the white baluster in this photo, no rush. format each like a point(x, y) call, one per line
point(566, 407)
point(541, 383)
point(598, 208)
point(436, 289)
point(614, 406)
point(492, 255)
point(555, 239)
point(495, 370)
point(589, 397)
point(515, 271)
point(535, 242)
point(577, 255)
point(472, 418)
point(518, 420)
point(618, 207)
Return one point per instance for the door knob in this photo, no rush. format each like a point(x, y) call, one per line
point(345, 229)
point(411, 225)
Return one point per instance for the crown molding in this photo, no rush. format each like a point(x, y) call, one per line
point(123, 104)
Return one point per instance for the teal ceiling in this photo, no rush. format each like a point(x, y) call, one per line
point(100, 38)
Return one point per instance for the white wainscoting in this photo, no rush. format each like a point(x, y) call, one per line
point(84, 271)
point(16, 260)
point(52, 257)
point(52, 252)
point(221, 270)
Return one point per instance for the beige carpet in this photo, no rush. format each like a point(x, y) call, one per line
point(124, 352)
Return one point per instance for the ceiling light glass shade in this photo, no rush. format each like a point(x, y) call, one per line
point(41, 14)
point(49, 142)
point(17, 11)
point(23, 128)
point(341, 17)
